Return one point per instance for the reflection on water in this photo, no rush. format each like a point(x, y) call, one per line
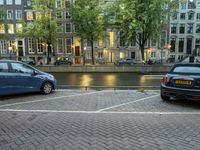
point(107, 79)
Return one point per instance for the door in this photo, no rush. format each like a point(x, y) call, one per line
point(5, 79)
point(20, 48)
point(24, 79)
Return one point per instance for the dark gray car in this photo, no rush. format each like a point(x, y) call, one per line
point(126, 61)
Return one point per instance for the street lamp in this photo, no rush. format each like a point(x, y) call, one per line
point(10, 50)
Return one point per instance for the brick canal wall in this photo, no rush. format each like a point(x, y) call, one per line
point(134, 69)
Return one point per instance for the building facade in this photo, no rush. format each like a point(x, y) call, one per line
point(185, 30)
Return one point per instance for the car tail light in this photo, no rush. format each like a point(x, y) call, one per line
point(165, 79)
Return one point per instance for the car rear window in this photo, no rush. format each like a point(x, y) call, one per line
point(187, 69)
point(3, 67)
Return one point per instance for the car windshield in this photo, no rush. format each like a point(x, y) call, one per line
point(187, 69)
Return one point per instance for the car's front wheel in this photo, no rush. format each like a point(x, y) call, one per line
point(46, 88)
point(165, 98)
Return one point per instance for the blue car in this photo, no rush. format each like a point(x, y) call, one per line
point(17, 77)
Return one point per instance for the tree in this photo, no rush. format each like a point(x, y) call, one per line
point(89, 20)
point(141, 19)
point(44, 26)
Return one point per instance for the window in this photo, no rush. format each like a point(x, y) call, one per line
point(111, 41)
point(28, 2)
point(173, 28)
point(9, 2)
point(190, 16)
point(174, 15)
point(198, 28)
point(173, 44)
point(18, 2)
point(18, 27)
point(18, 14)
point(189, 46)
point(59, 15)
point(9, 14)
point(59, 27)
point(182, 16)
point(58, 3)
point(67, 15)
point(67, 3)
point(183, 6)
point(3, 67)
point(133, 55)
point(1, 2)
point(153, 42)
point(153, 54)
point(100, 55)
point(181, 45)
point(60, 48)
point(3, 47)
point(68, 28)
point(122, 41)
point(30, 45)
point(190, 28)
point(197, 43)
point(10, 28)
point(100, 41)
point(186, 69)
point(133, 41)
point(68, 45)
point(191, 4)
point(21, 68)
point(29, 15)
point(2, 28)
point(40, 46)
point(198, 16)
point(182, 29)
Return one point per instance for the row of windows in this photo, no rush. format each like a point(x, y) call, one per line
point(182, 16)
point(63, 3)
point(189, 4)
point(182, 28)
point(11, 2)
point(182, 42)
point(11, 28)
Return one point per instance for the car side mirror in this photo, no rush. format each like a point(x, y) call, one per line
point(34, 73)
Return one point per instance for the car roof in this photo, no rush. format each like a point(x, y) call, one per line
point(6, 60)
point(188, 64)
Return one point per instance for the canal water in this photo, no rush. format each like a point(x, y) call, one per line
point(107, 79)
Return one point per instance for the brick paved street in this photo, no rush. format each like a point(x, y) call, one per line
point(98, 120)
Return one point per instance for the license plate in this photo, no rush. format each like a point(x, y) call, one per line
point(183, 82)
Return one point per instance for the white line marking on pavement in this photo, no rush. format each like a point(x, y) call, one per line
point(48, 99)
point(100, 110)
point(95, 112)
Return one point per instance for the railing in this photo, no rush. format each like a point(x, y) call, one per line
point(107, 87)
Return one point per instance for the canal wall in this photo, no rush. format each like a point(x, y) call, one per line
point(133, 69)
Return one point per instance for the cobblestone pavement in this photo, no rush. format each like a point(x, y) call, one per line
point(98, 120)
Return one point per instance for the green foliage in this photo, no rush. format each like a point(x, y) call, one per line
point(89, 20)
point(142, 19)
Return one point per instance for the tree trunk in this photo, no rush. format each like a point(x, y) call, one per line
point(48, 52)
point(142, 51)
point(92, 51)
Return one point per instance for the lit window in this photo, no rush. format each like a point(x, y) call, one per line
point(100, 40)
point(40, 46)
point(9, 2)
point(9, 14)
point(2, 28)
point(18, 2)
point(18, 14)
point(19, 27)
point(111, 39)
point(10, 28)
point(29, 15)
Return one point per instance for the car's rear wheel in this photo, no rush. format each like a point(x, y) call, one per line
point(46, 88)
point(165, 98)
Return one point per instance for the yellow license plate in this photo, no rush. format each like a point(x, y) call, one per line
point(182, 82)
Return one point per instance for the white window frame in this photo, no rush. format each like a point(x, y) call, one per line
point(3, 46)
point(18, 14)
point(58, 46)
point(31, 46)
point(9, 2)
point(18, 2)
point(10, 15)
point(70, 28)
point(66, 46)
point(40, 49)
point(60, 5)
